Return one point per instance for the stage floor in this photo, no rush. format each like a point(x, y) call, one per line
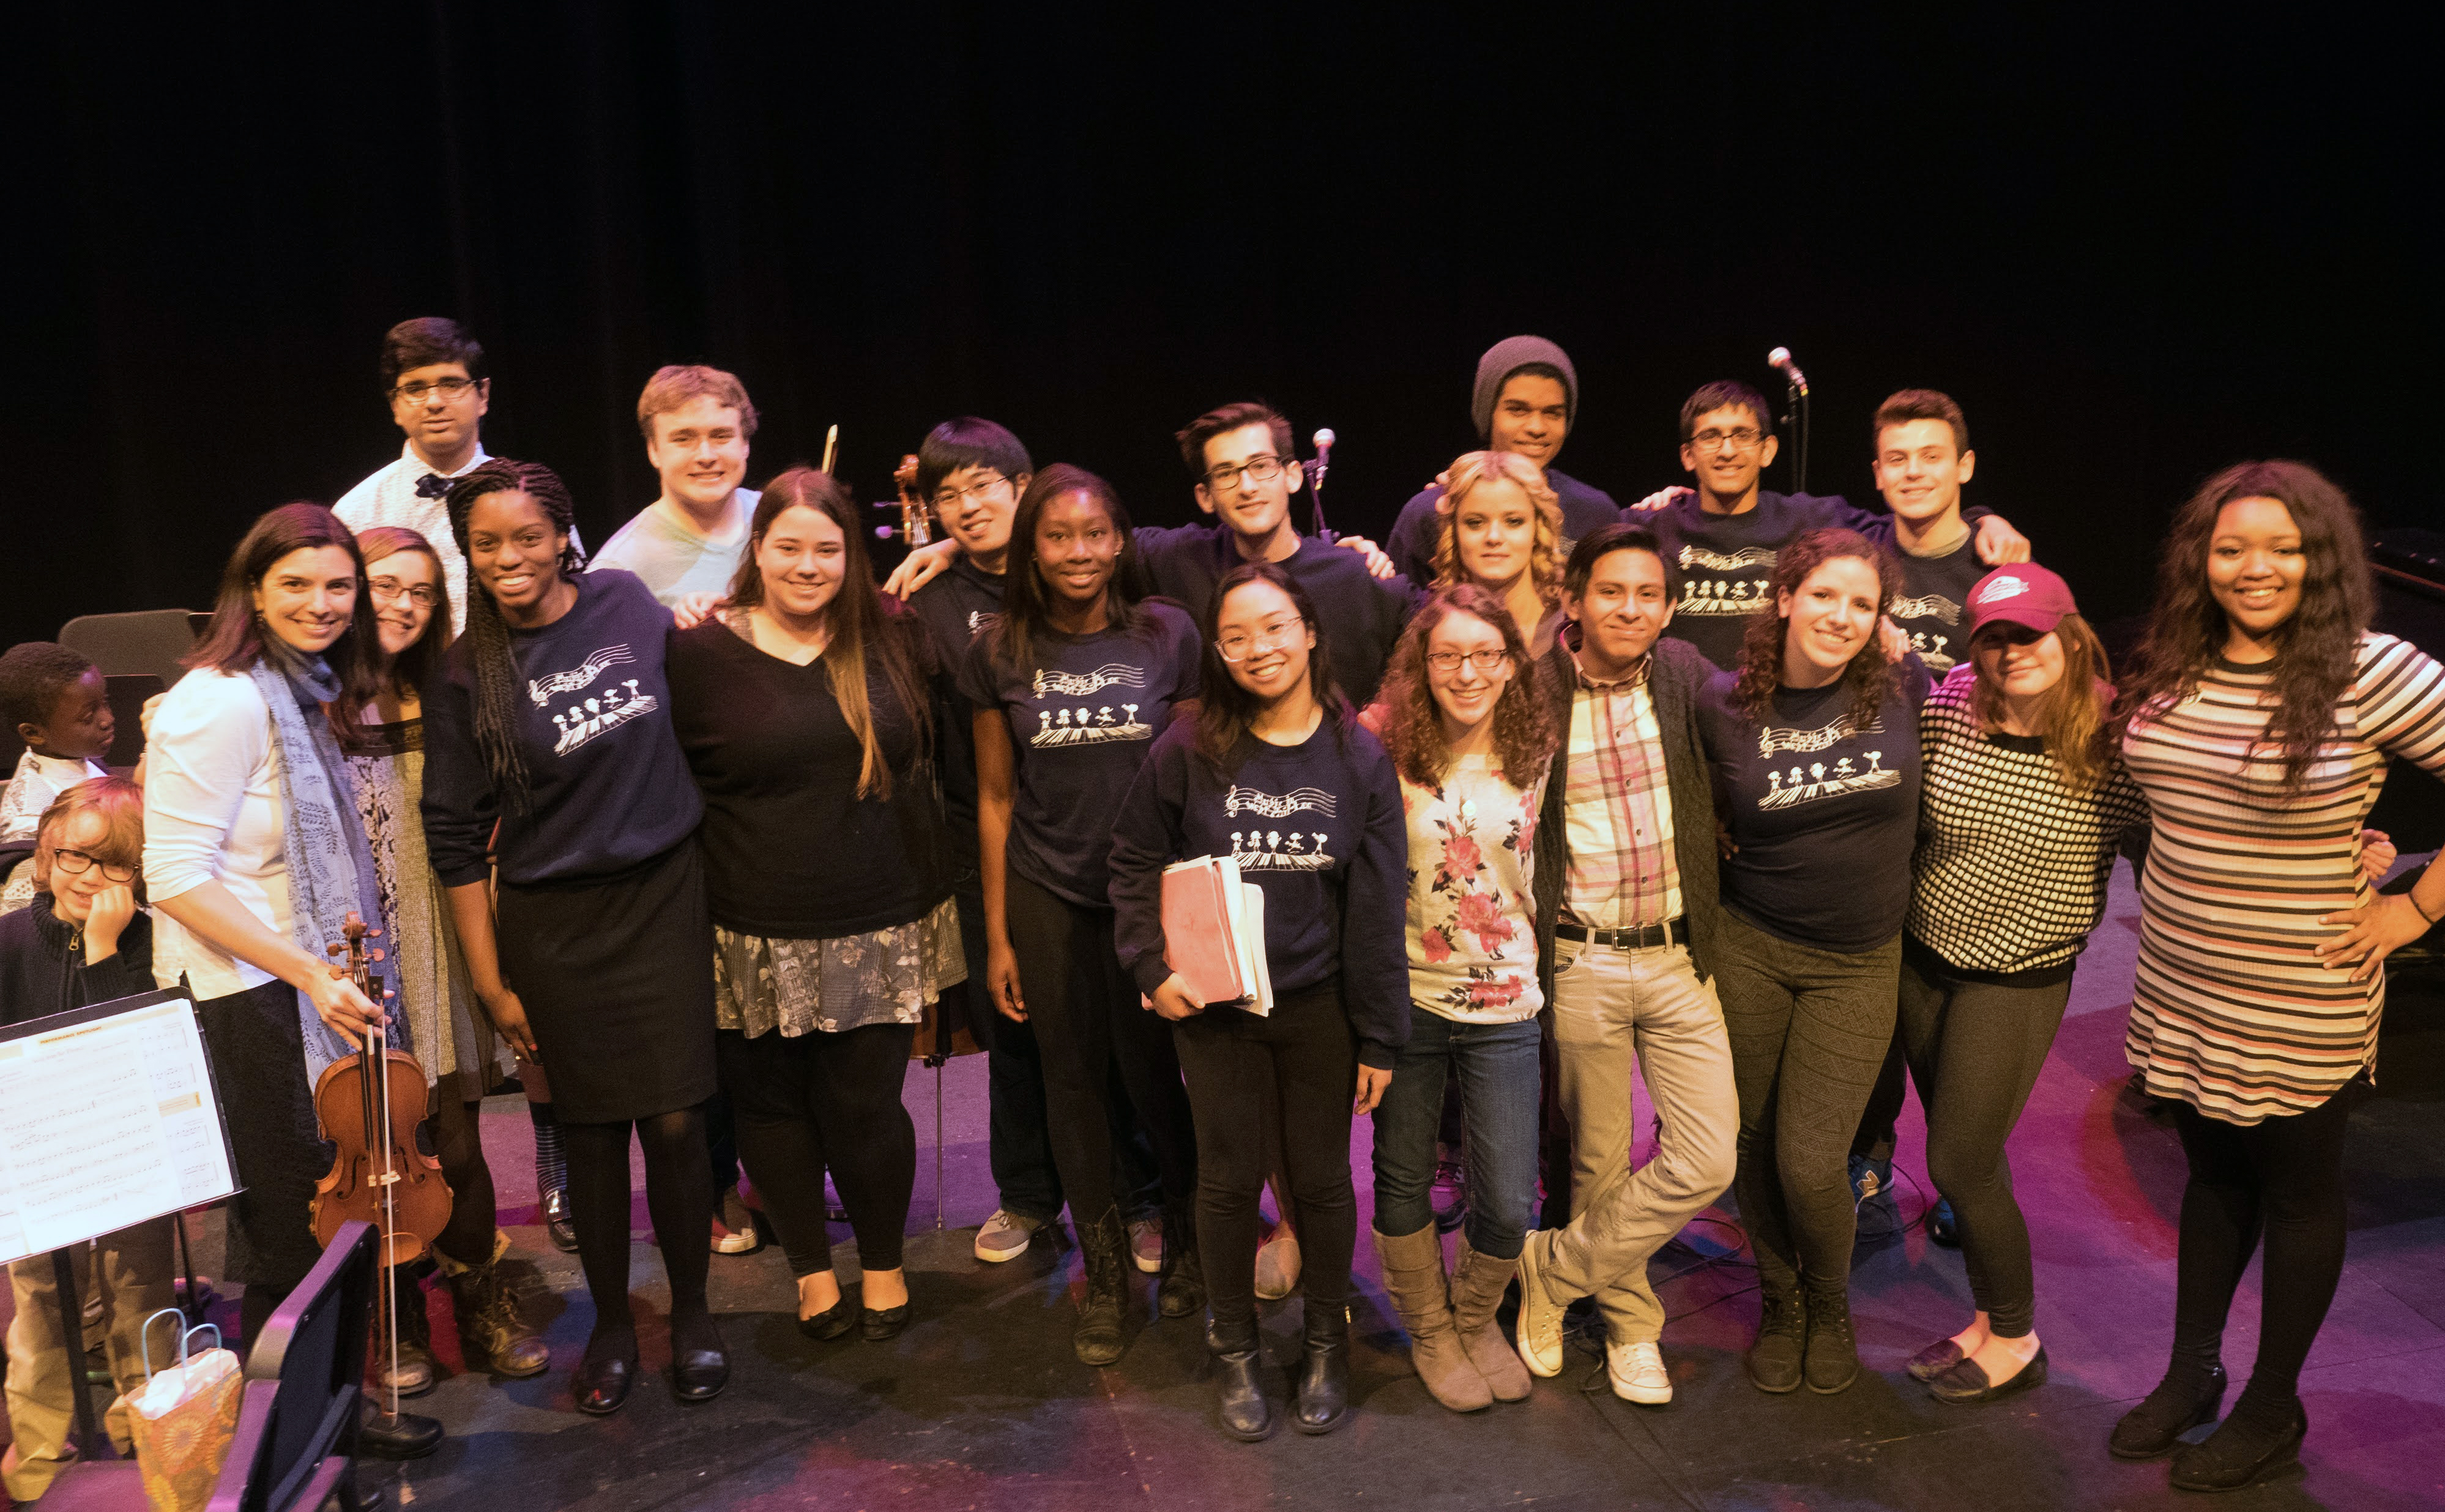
point(980, 1404)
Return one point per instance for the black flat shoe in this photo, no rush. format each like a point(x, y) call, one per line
point(876, 1324)
point(1935, 1360)
point(698, 1375)
point(601, 1386)
point(831, 1322)
point(2239, 1453)
point(2155, 1428)
point(397, 1435)
point(1966, 1384)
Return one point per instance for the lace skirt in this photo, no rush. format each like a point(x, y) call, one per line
point(803, 986)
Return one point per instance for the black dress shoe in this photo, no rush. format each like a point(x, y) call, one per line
point(602, 1385)
point(698, 1375)
point(1935, 1360)
point(557, 1222)
point(397, 1435)
point(831, 1322)
point(875, 1324)
point(1966, 1384)
point(2245, 1450)
point(2155, 1428)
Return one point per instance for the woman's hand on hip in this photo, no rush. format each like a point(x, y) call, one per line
point(2372, 931)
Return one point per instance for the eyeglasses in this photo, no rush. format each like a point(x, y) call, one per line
point(77, 863)
point(1744, 438)
point(449, 389)
point(389, 590)
point(1240, 646)
point(1260, 470)
point(949, 497)
point(1485, 660)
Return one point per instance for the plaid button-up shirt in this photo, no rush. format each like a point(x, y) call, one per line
point(1616, 809)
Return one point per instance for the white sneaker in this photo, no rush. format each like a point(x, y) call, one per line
point(1539, 1328)
point(1637, 1374)
point(1005, 1236)
point(1145, 1244)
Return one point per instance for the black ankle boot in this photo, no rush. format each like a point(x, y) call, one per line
point(1833, 1354)
point(1182, 1291)
point(1774, 1360)
point(1238, 1369)
point(2182, 1401)
point(1324, 1369)
point(2262, 1437)
point(1104, 1251)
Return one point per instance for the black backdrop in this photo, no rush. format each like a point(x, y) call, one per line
point(2135, 249)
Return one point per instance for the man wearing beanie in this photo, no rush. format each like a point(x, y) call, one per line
point(1526, 400)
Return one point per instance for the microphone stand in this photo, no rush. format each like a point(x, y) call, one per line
point(1795, 423)
point(1315, 491)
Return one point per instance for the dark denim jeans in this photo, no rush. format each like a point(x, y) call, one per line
point(1497, 1068)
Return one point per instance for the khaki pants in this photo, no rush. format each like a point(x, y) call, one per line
point(1618, 1013)
point(135, 1280)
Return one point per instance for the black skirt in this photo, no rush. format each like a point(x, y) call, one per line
point(616, 977)
point(258, 1054)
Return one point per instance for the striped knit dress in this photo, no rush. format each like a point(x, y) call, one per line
point(2231, 1012)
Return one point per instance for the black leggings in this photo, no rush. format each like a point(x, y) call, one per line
point(2285, 1176)
point(809, 1103)
point(679, 1196)
point(1306, 1057)
point(1975, 1050)
point(1087, 1015)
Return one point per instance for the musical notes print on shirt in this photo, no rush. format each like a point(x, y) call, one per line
point(1933, 646)
point(1281, 849)
point(1087, 684)
point(1730, 595)
point(1806, 783)
point(1085, 726)
point(542, 689)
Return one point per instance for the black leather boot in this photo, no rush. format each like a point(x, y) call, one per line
point(1774, 1360)
point(1103, 1250)
point(395, 1436)
point(1833, 1354)
point(1182, 1291)
point(1324, 1370)
point(1238, 1369)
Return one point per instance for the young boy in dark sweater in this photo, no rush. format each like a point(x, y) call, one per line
point(82, 941)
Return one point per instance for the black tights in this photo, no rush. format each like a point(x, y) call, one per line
point(2284, 1176)
point(679, 1195)
point(809, 1103)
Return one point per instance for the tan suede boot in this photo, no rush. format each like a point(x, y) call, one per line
point(1477, 1285)
point(1414, 1278)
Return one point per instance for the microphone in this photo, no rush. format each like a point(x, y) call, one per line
point(1780, 359)
point(1323, 441)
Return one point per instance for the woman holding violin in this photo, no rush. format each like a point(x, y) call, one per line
point(255, 862)
point(460, 1055)
point(552, 722)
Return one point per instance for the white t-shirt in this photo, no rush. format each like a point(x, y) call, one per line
point(38, 780)
point(212, 813)
point(676, 559)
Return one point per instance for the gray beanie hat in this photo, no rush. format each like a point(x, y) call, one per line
point(1507, 357)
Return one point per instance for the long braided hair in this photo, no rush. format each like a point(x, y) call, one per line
point(491, 660)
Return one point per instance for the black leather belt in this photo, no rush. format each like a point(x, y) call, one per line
point(1646, 936)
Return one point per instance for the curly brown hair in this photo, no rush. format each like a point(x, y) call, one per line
point(1412, 726)
point(2315, 658)
point(1871, 677)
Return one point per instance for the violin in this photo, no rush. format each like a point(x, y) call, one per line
point(370, 1105)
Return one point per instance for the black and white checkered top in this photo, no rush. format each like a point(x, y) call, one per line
point(2011, 867)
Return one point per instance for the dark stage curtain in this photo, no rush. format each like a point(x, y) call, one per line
point(2135, 255)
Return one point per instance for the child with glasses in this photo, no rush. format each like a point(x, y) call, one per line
point(84, 940)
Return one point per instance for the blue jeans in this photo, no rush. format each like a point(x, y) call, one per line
point(1497, 1067)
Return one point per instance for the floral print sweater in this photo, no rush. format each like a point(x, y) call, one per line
point(1472, 925)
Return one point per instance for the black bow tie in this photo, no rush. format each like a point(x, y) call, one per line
point(432, 485)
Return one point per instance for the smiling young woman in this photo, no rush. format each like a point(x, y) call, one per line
point(2259, 719)
point(808, 718)
point(1814, 739)
point(1499, 526)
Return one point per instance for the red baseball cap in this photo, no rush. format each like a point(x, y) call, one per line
point(2024, 593)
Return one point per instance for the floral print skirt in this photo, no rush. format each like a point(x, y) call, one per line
point(802, 986)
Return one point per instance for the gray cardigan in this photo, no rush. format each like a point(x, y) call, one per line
point(1675, 673)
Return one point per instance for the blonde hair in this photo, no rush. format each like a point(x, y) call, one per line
point(1545, 561)
point(120, 802)
point(2072, 715)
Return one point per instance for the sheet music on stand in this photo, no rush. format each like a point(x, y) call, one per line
point(109, 1117)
